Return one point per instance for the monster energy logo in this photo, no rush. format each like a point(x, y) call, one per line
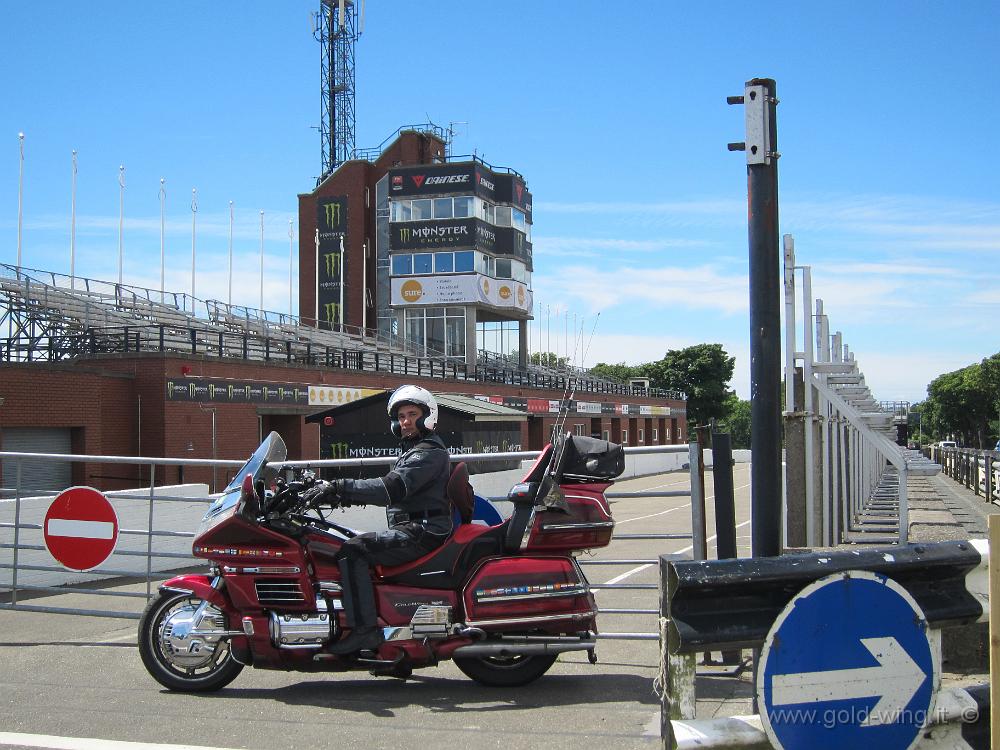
point(332, 213)
point(331, 262)
point(338, 450)
point(331, 311)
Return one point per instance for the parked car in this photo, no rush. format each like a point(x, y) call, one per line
point(947, 444)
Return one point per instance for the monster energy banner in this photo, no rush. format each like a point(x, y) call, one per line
point(572, 406)
point(376, 445)
point(331, 221)
point(237, 392)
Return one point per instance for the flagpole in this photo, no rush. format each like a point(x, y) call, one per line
point(121, 222)
point(230, 300)
point(291, 234)
point(194, 214)
point(20, 198)
point(262, 264)
point(163, 198)
point(72, 229)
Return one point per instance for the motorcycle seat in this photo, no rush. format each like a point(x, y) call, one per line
point(445, 566)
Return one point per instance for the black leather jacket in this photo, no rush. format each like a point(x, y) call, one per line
point(414, 491)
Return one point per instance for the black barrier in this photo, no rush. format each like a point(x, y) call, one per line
point(752, 592)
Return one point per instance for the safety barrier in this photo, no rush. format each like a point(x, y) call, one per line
point(156, 527)
point(765, 604)
point(976, 470)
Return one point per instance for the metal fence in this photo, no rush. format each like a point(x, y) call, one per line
point(156, 528)
point(976, 470)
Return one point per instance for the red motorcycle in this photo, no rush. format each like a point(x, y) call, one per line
point(502, 601)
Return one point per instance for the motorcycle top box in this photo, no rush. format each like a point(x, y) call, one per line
point(503, 601)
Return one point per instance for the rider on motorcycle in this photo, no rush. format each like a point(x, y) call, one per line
point(417, 510)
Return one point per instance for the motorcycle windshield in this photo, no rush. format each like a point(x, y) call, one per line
point(261, 465)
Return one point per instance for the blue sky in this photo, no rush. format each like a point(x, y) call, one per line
point(614, 113)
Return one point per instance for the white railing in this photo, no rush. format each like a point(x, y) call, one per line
point(849, 480)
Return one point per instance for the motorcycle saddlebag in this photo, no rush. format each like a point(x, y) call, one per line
point(591, 459)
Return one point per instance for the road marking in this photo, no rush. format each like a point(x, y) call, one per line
point(87, 743)
point(654, 515)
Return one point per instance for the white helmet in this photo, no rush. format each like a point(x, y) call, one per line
point(413, 394)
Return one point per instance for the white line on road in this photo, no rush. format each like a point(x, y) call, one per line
point(623, 576)
point(87, 743)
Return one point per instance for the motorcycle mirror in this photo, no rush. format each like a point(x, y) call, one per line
point(249, 506)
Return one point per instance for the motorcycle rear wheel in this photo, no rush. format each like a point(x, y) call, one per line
point(178, 661)
point(505, 671)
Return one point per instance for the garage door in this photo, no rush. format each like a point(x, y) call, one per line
point(37, 474)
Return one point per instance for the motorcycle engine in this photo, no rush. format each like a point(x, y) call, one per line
point(304, 629)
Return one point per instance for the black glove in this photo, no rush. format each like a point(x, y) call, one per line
point(324, 493)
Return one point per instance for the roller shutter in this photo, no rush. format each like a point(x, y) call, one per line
point(37, 474)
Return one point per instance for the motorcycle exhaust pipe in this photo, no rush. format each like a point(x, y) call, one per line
point(521, 648)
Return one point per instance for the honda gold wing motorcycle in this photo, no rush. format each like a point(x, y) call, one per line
point(502, 601)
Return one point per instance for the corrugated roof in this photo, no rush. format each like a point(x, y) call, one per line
point(480, 411)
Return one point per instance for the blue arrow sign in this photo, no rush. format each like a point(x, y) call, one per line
point(848, 663)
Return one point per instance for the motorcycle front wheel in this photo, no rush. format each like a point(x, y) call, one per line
point(505, 671)
point(178, 646)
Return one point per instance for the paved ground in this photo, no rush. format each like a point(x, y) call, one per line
point(80, 677)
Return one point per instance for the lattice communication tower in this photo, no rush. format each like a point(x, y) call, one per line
point(336, 28)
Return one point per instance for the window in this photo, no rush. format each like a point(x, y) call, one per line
point(502, 216)
point(503, 268)
point(465, 261)
point(463, 206)
point(402, 265)
point(578, 429)
point(605, 435)
point(518, 221)
point(444, 262)
point(401, 211)
point(421, 209)
point(624, 437)
point(422, 263)
point(442, 208)
point(656, 435)
point(486, 212)
point(642, 436)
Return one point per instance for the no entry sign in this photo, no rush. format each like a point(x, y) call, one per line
point(81, 528)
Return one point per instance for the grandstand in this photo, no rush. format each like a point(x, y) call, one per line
point(50, 317)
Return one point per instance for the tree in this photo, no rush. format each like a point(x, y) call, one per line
point(959, 404)
point(620, 373)
point(737, 421)
point(702, 372)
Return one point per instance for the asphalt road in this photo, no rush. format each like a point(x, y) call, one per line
point(77, 682)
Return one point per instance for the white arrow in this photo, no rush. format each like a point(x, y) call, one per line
point(895, 680)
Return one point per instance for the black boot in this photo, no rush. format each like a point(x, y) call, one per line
point(366, 635)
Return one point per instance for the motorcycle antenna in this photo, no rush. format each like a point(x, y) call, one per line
point(570, 391)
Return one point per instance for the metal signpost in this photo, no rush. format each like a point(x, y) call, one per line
point(848, 663)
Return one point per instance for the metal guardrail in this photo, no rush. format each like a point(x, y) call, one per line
point(146, 517)
point(976, 470)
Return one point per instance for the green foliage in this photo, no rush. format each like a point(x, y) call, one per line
point(549, 359)
point(964, 405)
point(737, 421)
point(702, 372)
point(620, 373)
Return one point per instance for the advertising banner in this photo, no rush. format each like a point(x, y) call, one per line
point(327, 395)
point(510, 241)
point(236, 392)
point(432, 179)
point(331, 221)
point(439, 234)
point(511, 189)
point(460, 289)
